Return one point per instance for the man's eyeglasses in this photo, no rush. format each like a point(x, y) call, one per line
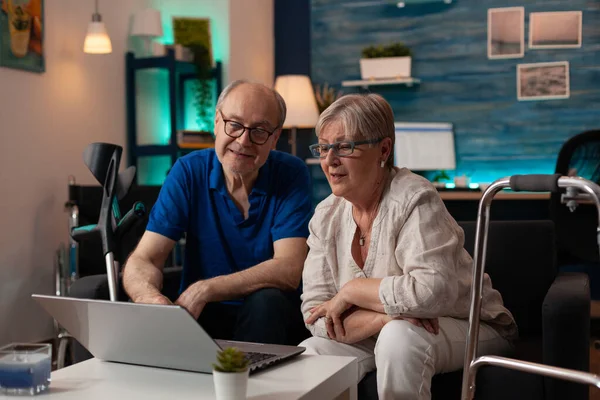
point(235, 130)
point(340, 149)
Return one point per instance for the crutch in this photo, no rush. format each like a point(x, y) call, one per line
point(578, 190)
point(103, 160)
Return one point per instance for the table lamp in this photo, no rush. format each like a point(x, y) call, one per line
point(147, 24)
point(302, 111)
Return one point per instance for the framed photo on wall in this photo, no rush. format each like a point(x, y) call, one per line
point(543, 81)
point(22, 35)
point(194, 34)
point(555, 30)
point(506, 32)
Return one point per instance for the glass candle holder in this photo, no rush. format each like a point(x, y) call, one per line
point(25, 368)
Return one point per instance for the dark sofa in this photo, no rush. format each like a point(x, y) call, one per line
point(552, 311)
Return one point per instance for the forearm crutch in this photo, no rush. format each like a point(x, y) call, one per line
point(578, 190)
point(103, 160)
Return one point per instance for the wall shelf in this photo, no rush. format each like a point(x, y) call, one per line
point(376, 82)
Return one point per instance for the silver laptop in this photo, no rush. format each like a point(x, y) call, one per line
point(164, 336)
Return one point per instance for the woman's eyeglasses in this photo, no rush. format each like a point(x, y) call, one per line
point(340, 149)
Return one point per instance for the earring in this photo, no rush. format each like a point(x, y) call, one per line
point(382, 163)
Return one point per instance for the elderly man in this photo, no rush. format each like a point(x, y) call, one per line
point(244, 210)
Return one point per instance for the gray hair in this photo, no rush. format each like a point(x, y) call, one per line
point(280, 101)
point(363, 116)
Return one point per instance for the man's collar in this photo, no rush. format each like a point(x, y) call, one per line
point(217, 177)
point(261, 185)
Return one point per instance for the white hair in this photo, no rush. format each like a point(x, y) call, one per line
point(280, 101)
point(363, 116)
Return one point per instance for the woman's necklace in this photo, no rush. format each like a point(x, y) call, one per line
point(361, 240)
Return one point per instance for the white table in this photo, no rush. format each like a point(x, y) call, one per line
point(303, 377)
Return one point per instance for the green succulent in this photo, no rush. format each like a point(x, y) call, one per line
point(393, 50)
point(231, 360)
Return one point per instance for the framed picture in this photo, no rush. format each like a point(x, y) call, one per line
point(22, 34)
point(506, 32)
point(543, 81)
point(194, 34)
point(555, 30)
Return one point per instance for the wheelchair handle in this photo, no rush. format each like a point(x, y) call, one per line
point(80, 233)
point(535, 183)
point(137, 212)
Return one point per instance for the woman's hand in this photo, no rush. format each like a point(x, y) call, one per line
point(430, 325)
point(332, 311)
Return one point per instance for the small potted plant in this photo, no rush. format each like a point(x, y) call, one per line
point(325, 96)
point(440, 178)
point(230, 374)
point(386, 62)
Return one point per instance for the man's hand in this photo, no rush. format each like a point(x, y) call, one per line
point(194, 298)
point(153, 298)
point(332, 310)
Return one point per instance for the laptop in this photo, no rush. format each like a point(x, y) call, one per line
point(165, 336)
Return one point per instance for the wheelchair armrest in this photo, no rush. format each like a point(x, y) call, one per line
point(96, 286)
point(566, 331)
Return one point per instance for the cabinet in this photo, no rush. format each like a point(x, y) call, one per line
point(178, 73)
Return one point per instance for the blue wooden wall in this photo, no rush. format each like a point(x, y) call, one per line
point(495, 134)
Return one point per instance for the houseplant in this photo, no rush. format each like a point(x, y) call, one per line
point(230, 374)
point(325, 96)
point(386, 62)
point(440, 178)
point(203, 86)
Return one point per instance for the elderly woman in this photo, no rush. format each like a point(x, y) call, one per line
point(387, 279)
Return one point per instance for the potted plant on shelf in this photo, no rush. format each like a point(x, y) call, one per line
point(230, 374)
point(386, 62)
point(203, 86)
point(325, 96)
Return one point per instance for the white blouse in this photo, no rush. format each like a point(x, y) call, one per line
point(416, 247)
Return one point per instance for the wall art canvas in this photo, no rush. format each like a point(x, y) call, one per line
point(555, 30)
point(193, 33)
point(543, 81)
point(506, 32)
point(22, 34)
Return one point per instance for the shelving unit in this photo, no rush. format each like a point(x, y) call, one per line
point(179, 72)
point(375, 82)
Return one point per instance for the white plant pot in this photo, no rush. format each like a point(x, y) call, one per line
point(385, 67)
point(230, 385)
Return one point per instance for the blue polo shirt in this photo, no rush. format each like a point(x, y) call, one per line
point(219, 241)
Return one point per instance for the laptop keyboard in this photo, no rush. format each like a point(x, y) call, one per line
point(258, 357)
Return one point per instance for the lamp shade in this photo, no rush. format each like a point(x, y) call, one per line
point(147, 23)
point(97, 40)
point(297, 91)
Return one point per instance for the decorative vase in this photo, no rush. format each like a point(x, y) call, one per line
point(231, 385)
point(385, 68)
